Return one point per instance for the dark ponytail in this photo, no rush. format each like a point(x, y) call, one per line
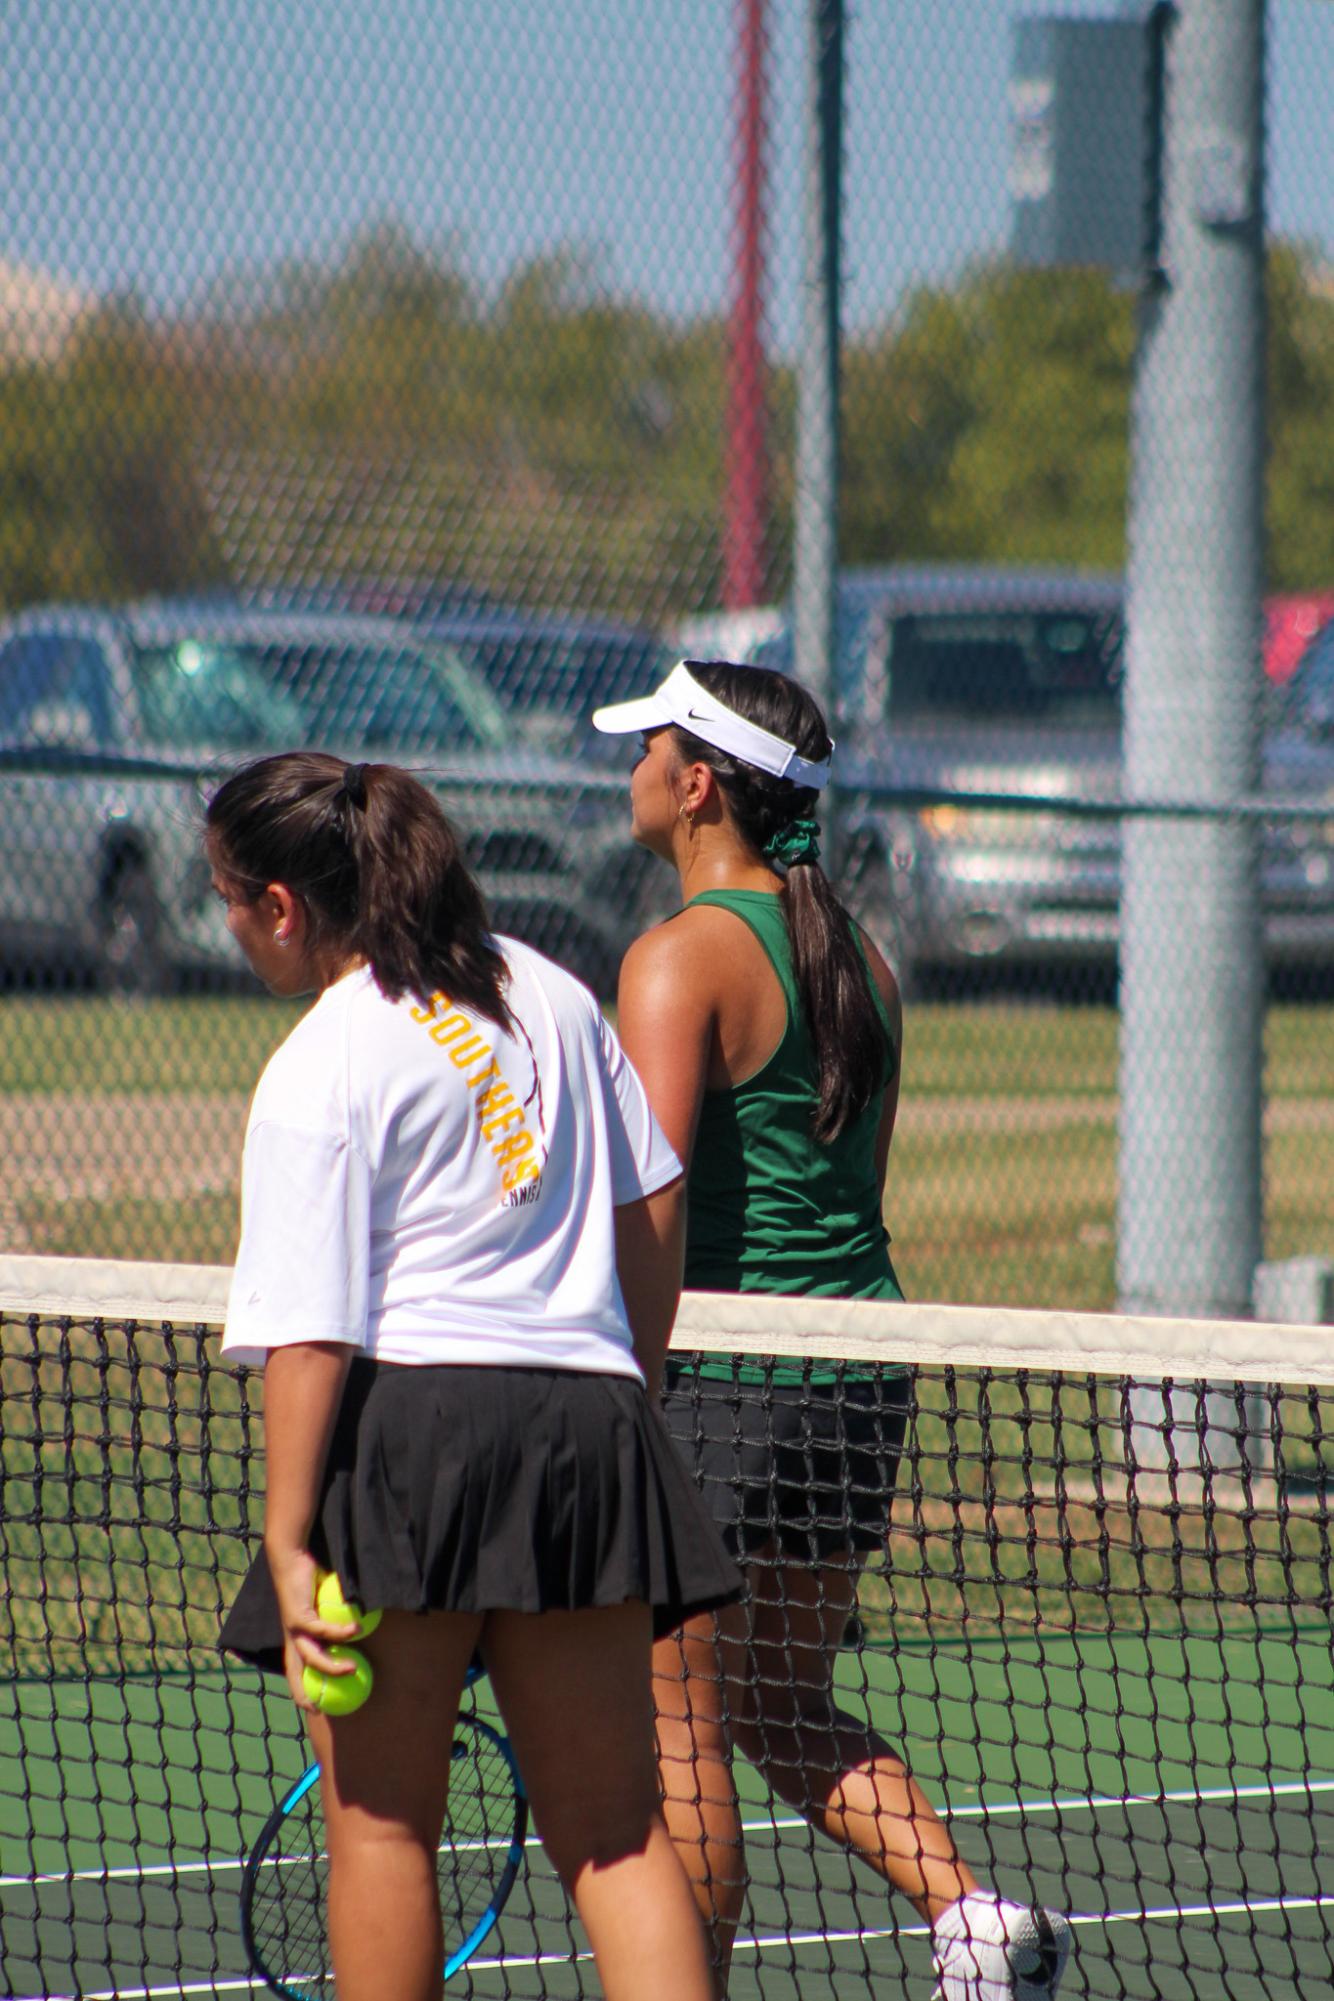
point(376, 864)
point(844, 1022)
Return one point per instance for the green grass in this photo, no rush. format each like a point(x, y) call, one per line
point(1019, 1209)
point(973, 1050)
point(98, 1048)
point(1002, 1183)
point(1013, 1050)
point(1008, 1051)
point(1010, 1218)
point(1299, 1052)
point(184, 1232)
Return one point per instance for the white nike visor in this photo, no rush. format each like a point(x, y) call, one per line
point(682, 701)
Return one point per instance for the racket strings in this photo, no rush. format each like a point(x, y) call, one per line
point(286, 1889)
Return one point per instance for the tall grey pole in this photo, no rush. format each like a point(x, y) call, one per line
point(1191, 963)
point(816, 523)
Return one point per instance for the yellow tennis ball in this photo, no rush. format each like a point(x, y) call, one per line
point(340, 1611)
point(339, 1694)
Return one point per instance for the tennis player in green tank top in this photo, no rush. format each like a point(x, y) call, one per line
point(768, 1030)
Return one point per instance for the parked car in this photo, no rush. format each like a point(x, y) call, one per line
point(1292, 620)
point(106, 716)
point(727, 635)
point(1309, 697)
point(990, 681)
point(551, 670)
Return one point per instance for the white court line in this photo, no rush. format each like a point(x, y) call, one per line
point(1186, 1797)
point(137, 1872)
point(1030, 1809)
point(1168, 1914)
point(772, 1941)
point(130, 1872)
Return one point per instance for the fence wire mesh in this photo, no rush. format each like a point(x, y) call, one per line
point(412, 379)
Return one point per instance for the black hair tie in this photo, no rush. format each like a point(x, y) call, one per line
point(354, 784)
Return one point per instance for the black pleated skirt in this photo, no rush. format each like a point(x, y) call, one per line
point(463, 1489)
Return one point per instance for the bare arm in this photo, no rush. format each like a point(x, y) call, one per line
point(888, 989)
point(650, 1246)
point(303, 1387)
point(665, 1018)
point(666, 1029)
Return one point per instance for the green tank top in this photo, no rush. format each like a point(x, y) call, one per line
point(769, 1209)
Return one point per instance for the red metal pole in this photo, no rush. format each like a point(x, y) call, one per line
point(747, 459)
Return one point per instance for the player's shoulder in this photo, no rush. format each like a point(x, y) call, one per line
point(312, 1060)
point(526, 965)
point(687, 942)
point(574, 1006)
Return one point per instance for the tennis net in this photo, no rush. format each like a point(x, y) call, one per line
point(1098, 1628)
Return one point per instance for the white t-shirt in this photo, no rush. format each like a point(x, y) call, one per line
point(429, 1188)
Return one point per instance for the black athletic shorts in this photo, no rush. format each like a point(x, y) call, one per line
point(806, 1467)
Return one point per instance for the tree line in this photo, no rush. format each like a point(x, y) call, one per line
point(377, 419)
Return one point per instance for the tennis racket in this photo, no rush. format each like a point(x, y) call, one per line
point(283, 1889)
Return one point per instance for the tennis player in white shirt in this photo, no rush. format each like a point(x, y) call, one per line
point(459, 1265)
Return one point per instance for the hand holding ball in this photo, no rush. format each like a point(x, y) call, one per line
point(339, 1694)
point(340, 1611)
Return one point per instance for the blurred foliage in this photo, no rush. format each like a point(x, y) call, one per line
point(991, 425)
point(377, 418)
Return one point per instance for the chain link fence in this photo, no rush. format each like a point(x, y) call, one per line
point(412, 379)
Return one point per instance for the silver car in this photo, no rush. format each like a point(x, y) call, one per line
point(997, 683)
point(111, 722)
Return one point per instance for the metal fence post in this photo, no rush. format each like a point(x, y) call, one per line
point(1192, 978)
point(816, 506)
point(745, 528)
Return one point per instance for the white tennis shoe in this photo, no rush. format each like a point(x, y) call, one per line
point(987, 1949)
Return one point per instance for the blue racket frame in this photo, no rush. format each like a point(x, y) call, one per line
point(268, 1847)
point(515, 1854)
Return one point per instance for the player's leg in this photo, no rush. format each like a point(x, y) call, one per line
point(574, 1690)
point(845, 1779)
point(779, 1653)
point(385, 1784)
point(695, 1772)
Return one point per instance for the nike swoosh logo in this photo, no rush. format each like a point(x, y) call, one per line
point(695, 716)
point(1049, 1953)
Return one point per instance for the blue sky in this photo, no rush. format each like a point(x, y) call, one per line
point(158, 144)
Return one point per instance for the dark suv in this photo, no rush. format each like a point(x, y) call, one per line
point(552, 670)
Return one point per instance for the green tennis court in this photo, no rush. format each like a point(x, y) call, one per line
point(1101, 1634)
point(1153, 1787)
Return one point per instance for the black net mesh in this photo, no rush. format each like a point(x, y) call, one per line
point(1094, 1620)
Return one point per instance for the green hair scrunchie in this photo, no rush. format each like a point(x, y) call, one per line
point(799, 841)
